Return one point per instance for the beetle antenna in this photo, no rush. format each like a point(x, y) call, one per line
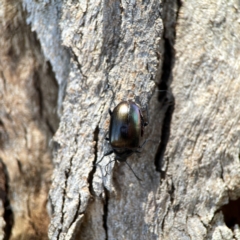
point(105, 154)
point(145, 142)
point(106, 167)
point(139, 179)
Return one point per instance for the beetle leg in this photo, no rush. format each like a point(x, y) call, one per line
point(105, 136)
point(137, 151)
point(105, 154)
point(106, 167)
point(144, 143)
point(106, 170)
point(139, 179)
point(146, 123)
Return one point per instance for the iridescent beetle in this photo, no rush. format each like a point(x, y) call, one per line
point(125, 131)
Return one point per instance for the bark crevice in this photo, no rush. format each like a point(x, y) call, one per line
point(91, 173)
point(4, 191)
point(165, 97)
point(231, 213)
point(67, 173)
point(166, 127)
point(105, 212)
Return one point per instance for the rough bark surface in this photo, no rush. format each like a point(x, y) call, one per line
point(103, 52)
point(28, 97)
point(115, 56)
point(118, 44)
point(202, 157)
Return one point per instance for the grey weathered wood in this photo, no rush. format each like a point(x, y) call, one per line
point(116, 49)
point(106, 51)
point(203, 150)
point(28, 97)
point(119, 44)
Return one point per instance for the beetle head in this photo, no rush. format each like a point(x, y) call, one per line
point(122, 154)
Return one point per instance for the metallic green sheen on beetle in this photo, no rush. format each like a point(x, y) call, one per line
point(126, 126)
point(126, 129)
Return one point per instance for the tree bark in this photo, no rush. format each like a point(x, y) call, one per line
point(103, 52)
point(28, 97)
point(115, 48)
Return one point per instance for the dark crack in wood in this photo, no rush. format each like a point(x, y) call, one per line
point(164, 140)
point(4, 191)
point(231, 213)
point(105, 212)
point(66, 173)
point(91, 174)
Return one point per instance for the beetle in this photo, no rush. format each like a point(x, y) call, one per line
point(125, 131)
